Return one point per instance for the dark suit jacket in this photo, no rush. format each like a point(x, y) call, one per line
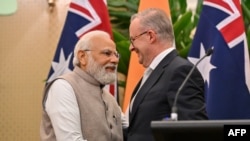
point(155, 98)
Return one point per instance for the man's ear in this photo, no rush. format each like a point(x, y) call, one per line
point(82, 57)
point(152, 36)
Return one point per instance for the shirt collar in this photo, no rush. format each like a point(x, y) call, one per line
point(159, 57)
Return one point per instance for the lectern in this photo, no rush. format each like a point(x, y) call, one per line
point(197, 130)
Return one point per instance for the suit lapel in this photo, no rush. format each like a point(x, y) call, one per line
point(136, 89)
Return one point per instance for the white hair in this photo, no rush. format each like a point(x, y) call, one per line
point(85, 42)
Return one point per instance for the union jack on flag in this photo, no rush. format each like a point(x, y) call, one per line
point(226, 72)
point(83, 16)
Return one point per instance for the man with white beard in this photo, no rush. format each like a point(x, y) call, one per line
point(75, 105)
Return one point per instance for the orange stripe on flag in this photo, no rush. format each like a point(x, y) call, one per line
point(135, 69)
point(162, 4)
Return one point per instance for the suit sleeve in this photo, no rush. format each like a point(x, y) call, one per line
point(190, 102)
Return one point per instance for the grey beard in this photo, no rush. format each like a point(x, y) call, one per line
point(99, 72)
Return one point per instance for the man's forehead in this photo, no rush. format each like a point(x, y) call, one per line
point(103, 43)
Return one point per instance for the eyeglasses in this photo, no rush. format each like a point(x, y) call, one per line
point(132, 39)
point(107, 53)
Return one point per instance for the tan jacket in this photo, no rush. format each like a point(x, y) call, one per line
point(99, 112)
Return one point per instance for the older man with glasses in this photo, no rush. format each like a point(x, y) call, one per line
point(152, 39)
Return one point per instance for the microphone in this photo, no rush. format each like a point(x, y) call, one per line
point(174, 115)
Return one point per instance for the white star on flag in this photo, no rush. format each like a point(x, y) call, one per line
point(204, 66)
point(60, 67)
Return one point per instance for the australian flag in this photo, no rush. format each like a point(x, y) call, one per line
point(83, 16)
point(226, 72)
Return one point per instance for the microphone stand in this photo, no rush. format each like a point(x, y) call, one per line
point(174, 115)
